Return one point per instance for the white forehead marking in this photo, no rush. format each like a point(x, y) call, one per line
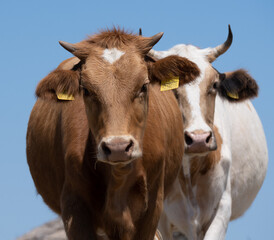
point(197, 56)
point(112, 55)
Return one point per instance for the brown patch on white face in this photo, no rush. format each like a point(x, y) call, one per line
point(208, 94)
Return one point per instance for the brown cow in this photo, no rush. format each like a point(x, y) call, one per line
point(104, 159)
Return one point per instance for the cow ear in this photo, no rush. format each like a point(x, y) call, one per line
point(62, 83)
point(238, 86)
point(173, 66)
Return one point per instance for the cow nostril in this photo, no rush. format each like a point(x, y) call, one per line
point(130, 145)
point(106, 149)
point(188, 139)
point(209, 137)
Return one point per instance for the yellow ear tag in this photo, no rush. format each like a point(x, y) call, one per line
point(170, 84)
point(233, 95)
point(65, 97)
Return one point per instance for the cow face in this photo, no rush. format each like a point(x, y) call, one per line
point(197, 104)
point(197, 99)
point(116, 100)
point(114, 77)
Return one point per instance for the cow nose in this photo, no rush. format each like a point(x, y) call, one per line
point(118, 148)
point(199, 141)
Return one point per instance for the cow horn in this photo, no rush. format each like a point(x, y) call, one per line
point(140, 32)
point(68, 46)
point(149, 42)
point(219, 50)
point(155, 39)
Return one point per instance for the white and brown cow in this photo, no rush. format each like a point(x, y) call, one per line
point(226, 156)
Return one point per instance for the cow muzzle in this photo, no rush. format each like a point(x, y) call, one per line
point(118, 150)
point(199, 142)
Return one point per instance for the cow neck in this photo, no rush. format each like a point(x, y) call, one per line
point(118, 208)
point(118, 186)
point(202, 165)
point(190, 193)
point(193, 167)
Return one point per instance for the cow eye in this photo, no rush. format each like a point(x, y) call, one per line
point(86, 92)
point(215, 85)
point(213, 88)
point(144, 88)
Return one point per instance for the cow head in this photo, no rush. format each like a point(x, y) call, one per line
point(113, 75)
point(197, 99)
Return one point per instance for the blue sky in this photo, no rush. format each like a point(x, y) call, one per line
point(30, 31)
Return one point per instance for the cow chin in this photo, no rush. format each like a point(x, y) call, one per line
point(118, 150)
point(118, 162)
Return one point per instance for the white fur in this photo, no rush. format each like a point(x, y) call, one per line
point(227, 190)
point(112, 55)
point(193, 96)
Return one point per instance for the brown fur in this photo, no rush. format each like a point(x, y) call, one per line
point(208, 96)
point(175, 66)
point(114, 38)
point(62, 138)
point(239, 82)
point(68, 82)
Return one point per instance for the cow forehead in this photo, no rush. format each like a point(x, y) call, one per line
point(113, 60)
point(198, 56)
point(112, 55)
point(192, 53)
point(114, 70)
